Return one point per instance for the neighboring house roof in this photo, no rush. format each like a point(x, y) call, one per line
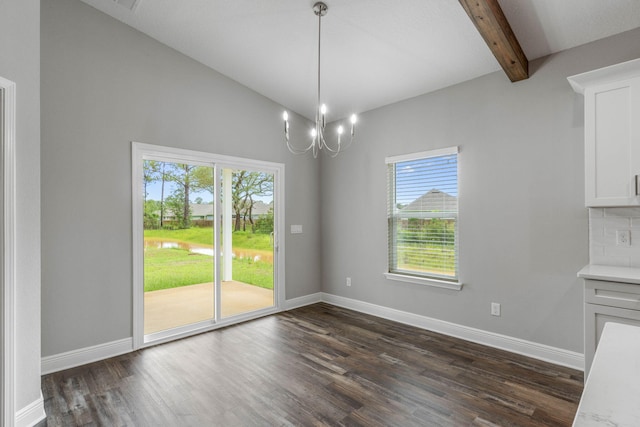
point(201, 210)
point(261, 208)
point(433, 204)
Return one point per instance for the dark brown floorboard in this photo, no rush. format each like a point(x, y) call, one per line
point(316, 365)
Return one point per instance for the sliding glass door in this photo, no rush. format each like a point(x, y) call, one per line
point(247, 241)
point(179, 262)
point(206, 232)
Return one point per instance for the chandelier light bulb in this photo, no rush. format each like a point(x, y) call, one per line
point(323, 109)
point(340, 130)
point(354, 119)
point(314, 132)
point(285, 116)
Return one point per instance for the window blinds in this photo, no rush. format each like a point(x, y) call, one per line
point(422, 213)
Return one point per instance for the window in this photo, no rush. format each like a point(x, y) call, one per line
point(422, 216)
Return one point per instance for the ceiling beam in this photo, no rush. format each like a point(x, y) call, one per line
point(494, 28)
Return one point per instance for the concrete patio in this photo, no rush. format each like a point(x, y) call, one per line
point(170, 308)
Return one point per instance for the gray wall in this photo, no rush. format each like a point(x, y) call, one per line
point(523, 224)
point(20, 62)
point(104, 85)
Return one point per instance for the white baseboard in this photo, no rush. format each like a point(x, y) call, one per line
point(31, 414)
point(71, 359)
point(547, 353)
point(290, 304)
point(515, 345)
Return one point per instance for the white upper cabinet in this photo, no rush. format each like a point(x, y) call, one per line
point(611, 133)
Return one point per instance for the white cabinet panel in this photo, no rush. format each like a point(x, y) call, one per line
point(612, 134)
point(595, 317)
point(612, 146)
point(615, 302)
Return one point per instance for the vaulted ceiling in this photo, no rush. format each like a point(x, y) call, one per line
point(374, 52)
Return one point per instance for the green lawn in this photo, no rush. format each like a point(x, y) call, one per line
point(428, 258)
point(175, 267)
point(171, 268)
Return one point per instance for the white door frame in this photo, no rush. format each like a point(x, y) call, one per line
point(141, 151)
point(7, 250)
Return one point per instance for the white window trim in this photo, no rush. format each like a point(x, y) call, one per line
point(422, 155)
point(426, 281)
point(420, 280)
point(140, 151)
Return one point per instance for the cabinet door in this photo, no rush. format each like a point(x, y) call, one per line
point(612, 143)
point(595, 317)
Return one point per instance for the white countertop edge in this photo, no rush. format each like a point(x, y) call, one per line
point(610, 273)
point(610, 396)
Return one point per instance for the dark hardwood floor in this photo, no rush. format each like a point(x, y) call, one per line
point(317, 365)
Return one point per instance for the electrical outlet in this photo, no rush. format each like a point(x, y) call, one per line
point(623, 237)
point(348, 281)
point(495, 309)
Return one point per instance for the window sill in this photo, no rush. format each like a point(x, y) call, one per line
point(424, 281)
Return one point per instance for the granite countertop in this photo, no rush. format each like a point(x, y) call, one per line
point(610, 273)
point(610, 396)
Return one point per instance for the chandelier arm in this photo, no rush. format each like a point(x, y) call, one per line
point(337, 149)
point(295, 150)
point(348, 144)
point(340, 146)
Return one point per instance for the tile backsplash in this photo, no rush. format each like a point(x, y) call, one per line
point(604, 224)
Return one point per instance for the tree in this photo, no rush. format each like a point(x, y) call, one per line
point(236, 196)
point(264, 225)
point(245, 187)
point(163, 176)
point(188, 178)
point(175, 203)
point(150, 173)
point(151, 220)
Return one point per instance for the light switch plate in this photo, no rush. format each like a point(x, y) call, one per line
point(296, 229)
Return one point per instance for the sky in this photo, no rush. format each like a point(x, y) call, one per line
point(417, 177)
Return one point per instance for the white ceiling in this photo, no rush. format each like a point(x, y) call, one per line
point(374, 52)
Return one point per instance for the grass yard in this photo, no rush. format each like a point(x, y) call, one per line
point(257, 273)
point(174, 267)
point(427, 258)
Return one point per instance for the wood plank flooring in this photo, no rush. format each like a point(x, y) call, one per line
point(316, 365)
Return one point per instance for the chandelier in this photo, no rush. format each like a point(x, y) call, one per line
point(318, 141)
